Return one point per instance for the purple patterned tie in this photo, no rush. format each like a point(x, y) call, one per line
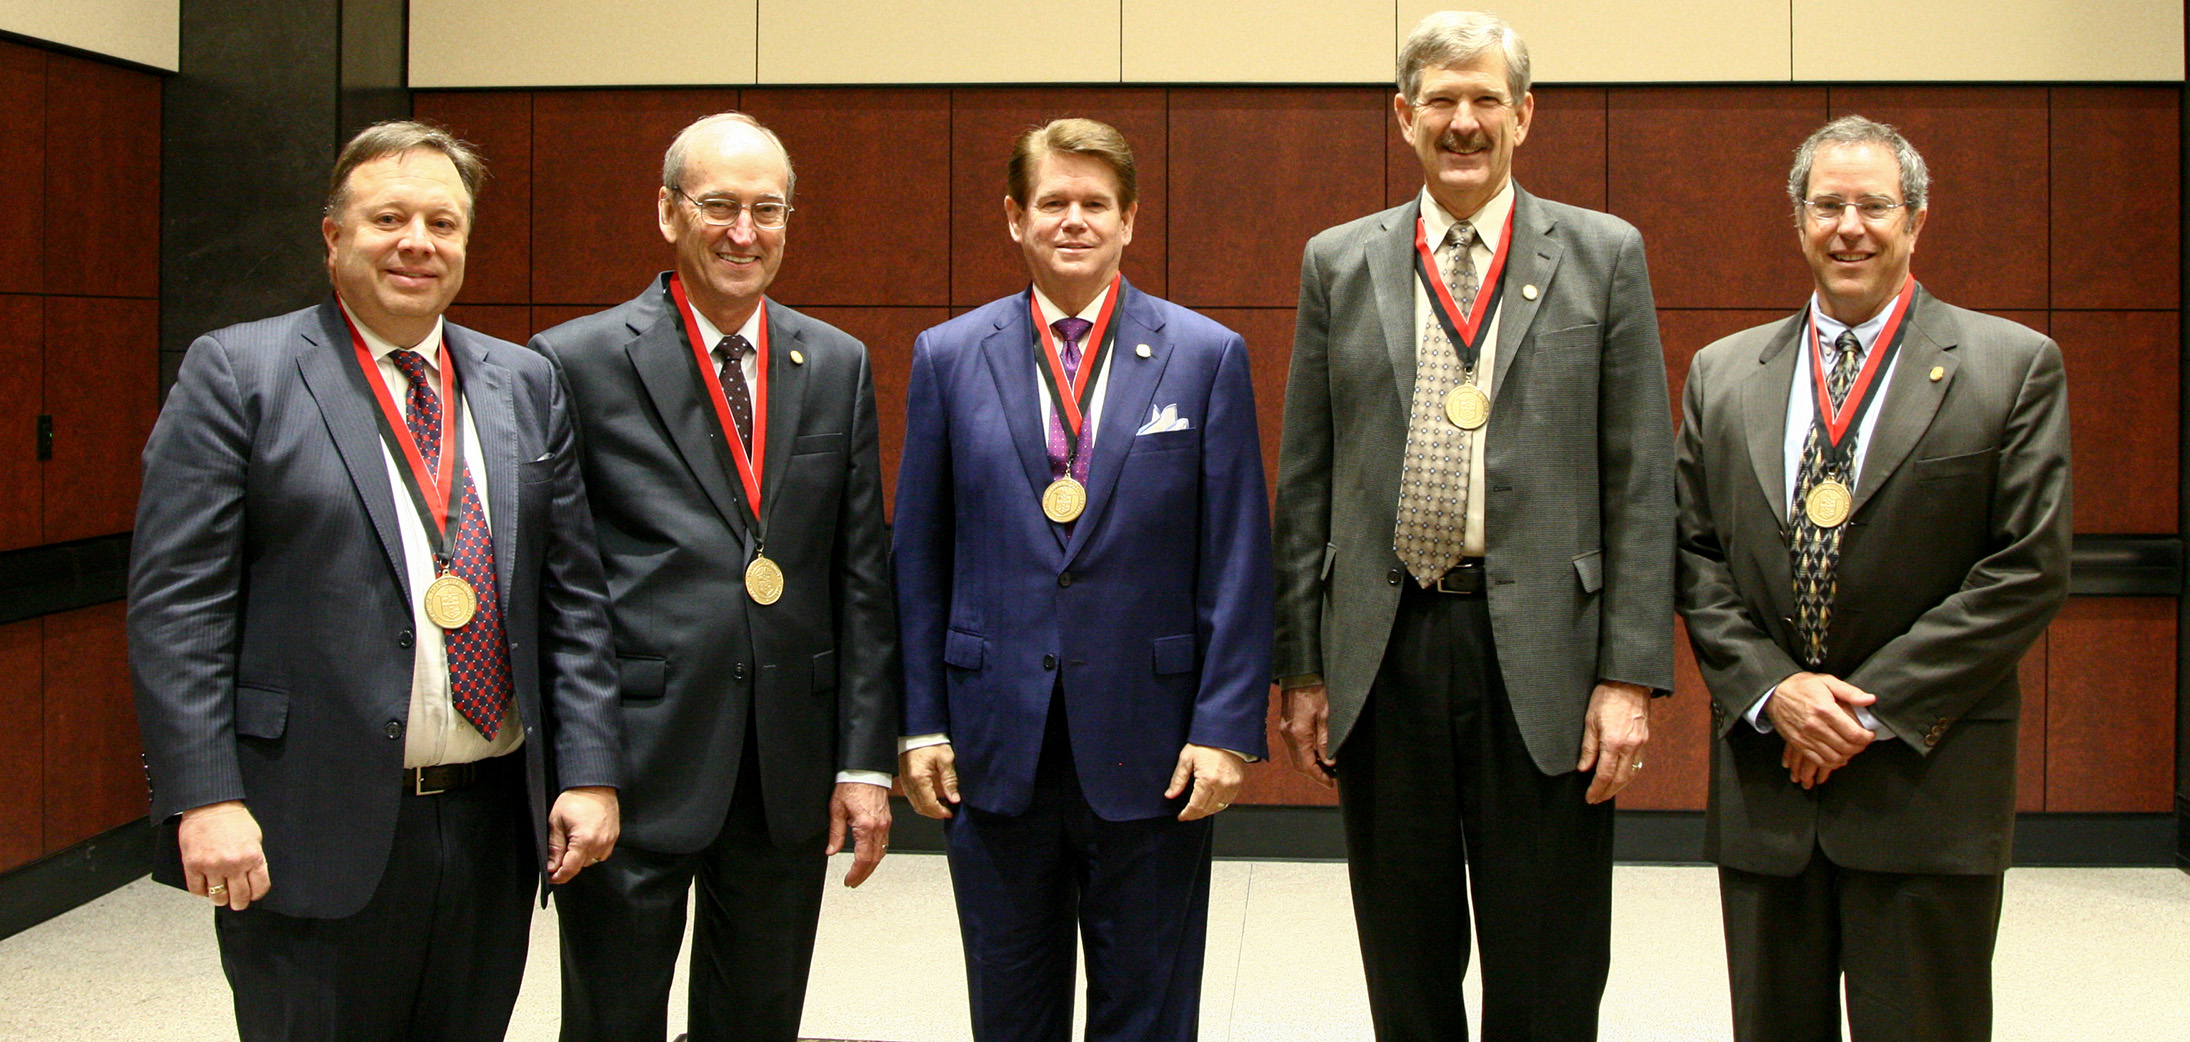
point(479, 681)
point(1070, 330)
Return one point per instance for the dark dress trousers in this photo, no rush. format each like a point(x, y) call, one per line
point(737, 716)
point(1070, 666)
point(271, 647)
point(1456, 720)
point(1954, 559)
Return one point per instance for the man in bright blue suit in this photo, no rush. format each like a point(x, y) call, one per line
point(1084, 589)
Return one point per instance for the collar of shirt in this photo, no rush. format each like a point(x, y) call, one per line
point(1489, 222)
point(711, 336)
point(1051, 312)
point(1829, 329)
point(382, 348)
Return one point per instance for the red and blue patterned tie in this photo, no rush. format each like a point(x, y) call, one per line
point(479, 682)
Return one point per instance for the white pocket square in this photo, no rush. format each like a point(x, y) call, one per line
point(1163, 419)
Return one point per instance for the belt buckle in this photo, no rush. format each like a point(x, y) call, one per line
point(1462, 580)
point(418, 783)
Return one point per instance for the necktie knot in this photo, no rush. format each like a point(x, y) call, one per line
point(1072, 330)
point(1461, 236)
point(410, 363)
point(732, 349)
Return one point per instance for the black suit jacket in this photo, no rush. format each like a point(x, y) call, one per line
point(817, 671)
point(1954, 560)
point(270, 623)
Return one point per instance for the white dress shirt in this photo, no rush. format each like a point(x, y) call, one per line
point(1490, 225)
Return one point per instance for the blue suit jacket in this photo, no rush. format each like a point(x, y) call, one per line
point(1157, 606)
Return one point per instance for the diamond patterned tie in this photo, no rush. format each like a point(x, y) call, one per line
point(1070, 330)
point(1816, 550)
point(1433, 490)
point(479, 682)
point(732, 352)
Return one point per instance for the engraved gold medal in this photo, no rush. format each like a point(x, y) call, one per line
point(450, 602)
point(763, 581)
point(1467, 407)
point(1828, 504)
point(1063, 500)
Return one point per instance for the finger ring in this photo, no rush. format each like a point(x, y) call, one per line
point(1638, 765)
point(1221, 806)
point(217, 891)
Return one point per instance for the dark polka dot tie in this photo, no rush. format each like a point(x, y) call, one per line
point(731, 353)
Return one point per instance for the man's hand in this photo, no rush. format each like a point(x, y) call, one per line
point(221, 854)
point(582, 830)
point(930, 777)
point(865, 809)
point(1614, 735)
point(1812, 713)
point(1215, 775)
point(1305, 721)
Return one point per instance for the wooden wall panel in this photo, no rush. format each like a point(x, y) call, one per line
point(1269, 336)
point(1677, 765)
point(1563, 158)
point(984, 261)
point(102, 373)
point(2122, 388)
point(102, 179)
point(22, 759)
point(1985, 244)
point(1274, 782)
point(498, 261)
point(1255, 173)
point(94, 777)
point(874, 185)
point(546, 318)
point(2116, 188)
point(2110, 706)
point(2030, 729)
point(597, 167)
point(1682, 333)
point(22, 168)
point(888, 334)
point(1702, 171)
point(22, 398)
point(511, 322)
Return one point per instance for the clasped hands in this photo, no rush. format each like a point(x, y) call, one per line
point(1814, 713)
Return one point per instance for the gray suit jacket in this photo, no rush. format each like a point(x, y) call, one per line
point(270, 624)
point(1954, 560)
point(1577, 468)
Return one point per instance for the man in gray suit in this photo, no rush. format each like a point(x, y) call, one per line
point(1474, 556)
point(1874, 525)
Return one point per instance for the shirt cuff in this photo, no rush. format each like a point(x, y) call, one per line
point(921, 741)
point(864, 778)
point(1756, 716)
point(1863, 716)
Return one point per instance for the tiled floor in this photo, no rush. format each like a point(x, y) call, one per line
point(2085, 954)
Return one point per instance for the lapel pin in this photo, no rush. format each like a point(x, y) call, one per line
point(1938, 372)
point(1143, 351)
point(797, 359)
point(1529, 292)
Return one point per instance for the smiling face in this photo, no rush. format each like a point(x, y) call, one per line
point(1464, 125)
point(395, 251)
point(1859, 264)
point(1072, 229)
point(726, 269)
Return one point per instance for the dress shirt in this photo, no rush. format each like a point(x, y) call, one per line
point(1801, 412)
point(436, 733)
point(1489, 223)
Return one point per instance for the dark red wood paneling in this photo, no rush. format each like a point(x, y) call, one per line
point(986, 122)
point(22, 759)
point(1985, 244)
point(2122, 391)
point(2110, 706)
point(102, 179)
point(98, 782)
point(888, 334)
point(23, 168)
point(1255, 172)
point(1269, 336)
point(22, 398)
point(511, 322)
point(1682, 333)
point(596, 171)
point(102, 387)
point(2030, 730)
point(546, 318)
point(1702, 171)
point(498, 262)
point(873, 225)
point(1677, 765)
point(1274, 782)
point(2116, 197)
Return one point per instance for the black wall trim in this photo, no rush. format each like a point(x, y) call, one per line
point(2126, 566)
point(63, 577)
point(61, 881)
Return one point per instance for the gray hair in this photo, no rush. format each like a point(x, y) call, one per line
point(673, 160)
point(1447, 38)
point(1856, 130)
point(395, 137)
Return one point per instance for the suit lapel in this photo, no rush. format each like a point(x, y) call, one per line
point(1764, 412)
point(662, 355)
point(787, 385)
point(329, 369)
point(1532, 260)
point(487, 392)
point(1391, 272)
point(1010, 353)
point(1912, 398)
point(1128, 392)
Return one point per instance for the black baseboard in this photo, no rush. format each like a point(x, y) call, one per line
point(61, 881)
point(42, 580)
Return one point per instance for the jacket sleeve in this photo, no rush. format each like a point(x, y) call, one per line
point(1635, 468)
point(1233, 598)
point(868, 709)
point(1305, 455)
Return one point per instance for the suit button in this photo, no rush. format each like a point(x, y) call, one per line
point(738, 673)
point(403, 639)
point(1049, 662)
point(393, 730)
point(1064, 579)
point(1392, 576)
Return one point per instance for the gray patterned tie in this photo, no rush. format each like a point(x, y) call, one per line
point(1816, 550)
point(1433, 491)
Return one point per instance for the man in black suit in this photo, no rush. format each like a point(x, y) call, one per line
point(368, 632)
point(1874, 525)
point(730, 454)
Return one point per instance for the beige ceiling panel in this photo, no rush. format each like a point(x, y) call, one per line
point(580, 43)
point(1258, 41)
point(1627, 41)
point(148, 32)
point(938, 41)
point(2027, 40)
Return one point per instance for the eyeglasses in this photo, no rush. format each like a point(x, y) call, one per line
point(1873, 211)
point(723, 213)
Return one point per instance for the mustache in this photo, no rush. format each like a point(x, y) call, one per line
point(1458, 142)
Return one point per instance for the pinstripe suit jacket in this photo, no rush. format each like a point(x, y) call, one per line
point(270, 624)
point(1953, 561)
point(1577, 468)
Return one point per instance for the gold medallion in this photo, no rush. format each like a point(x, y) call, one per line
point(763, 581)
point(450, 602)
point(1828, 504)
point(1467, 407)
point(1063, 500)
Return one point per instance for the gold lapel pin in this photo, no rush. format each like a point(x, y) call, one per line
point(1143, 351)
point(797, 359)
point(1528, 292)
point(1938, 372)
